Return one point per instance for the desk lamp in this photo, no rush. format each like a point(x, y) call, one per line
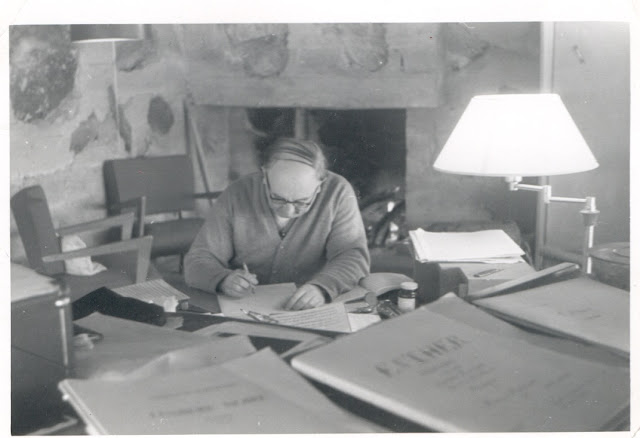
point(518, 135)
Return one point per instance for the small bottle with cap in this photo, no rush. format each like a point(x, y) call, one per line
point(407, 296)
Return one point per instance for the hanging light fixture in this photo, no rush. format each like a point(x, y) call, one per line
point(86, 33)
point(94, 33)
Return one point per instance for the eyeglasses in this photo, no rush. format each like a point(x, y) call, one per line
point(298, 204)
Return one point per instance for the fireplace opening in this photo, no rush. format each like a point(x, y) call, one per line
point(367, 147)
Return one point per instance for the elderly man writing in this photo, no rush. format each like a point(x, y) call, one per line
point(294, 221)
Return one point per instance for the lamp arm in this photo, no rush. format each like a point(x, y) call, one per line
point(589, 213)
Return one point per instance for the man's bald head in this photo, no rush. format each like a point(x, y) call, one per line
point(302, 151)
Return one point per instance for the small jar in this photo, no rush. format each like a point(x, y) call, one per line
point(407, 296)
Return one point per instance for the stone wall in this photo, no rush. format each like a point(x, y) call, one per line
point(481, 58)
point(76, 105)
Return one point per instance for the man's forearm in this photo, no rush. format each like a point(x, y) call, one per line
point(204, 274)
point(343, 272)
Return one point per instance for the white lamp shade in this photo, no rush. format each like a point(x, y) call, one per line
point(513, 135)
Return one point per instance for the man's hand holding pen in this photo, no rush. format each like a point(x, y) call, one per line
point(239, 283)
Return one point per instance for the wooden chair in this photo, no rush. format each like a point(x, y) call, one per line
point(152, 186)
point(127, 260)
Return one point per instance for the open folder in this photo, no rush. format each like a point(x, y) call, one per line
point(450, 376)
point(255, 394)
point(581, 308)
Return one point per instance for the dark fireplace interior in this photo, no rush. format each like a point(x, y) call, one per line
point(365, 146)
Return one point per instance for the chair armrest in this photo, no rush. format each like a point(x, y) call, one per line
point(206, 195)
point(123, 220)
point(140, 205)
point(142, 245)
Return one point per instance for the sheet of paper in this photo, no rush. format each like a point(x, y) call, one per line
point(358, 321)
point(267, 299)
point(464, 246)
point(127, 345)
point(453, 307)
point(154, 291)
point(292, 386)
point(215, 352)
point(212, 399)
point(581, 308)
point(328, 317)
point(301, 340)
point(265, 330)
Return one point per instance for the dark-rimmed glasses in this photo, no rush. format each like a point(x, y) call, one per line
point(298, 204)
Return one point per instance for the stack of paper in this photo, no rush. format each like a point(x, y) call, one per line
point(488, 246)
point(453, 375)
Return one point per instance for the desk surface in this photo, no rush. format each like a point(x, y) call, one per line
point(193, 321)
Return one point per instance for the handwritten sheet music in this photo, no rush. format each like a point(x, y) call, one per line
point(270, 299)
point(154, 291)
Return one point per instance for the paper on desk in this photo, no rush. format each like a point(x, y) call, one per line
point(292, 386)
point(304, 339)
point(328, 317)
point(264, 330)
point(358, 321)
point(154, 291)
point(215, 352)
point(269, 300)
point(581, 309)
point(126, 345)
point(464, 246)
point(238, 398)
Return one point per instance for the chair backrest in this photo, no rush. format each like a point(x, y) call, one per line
point(33, 218)
point(167, 182)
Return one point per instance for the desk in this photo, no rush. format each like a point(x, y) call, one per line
point(194, 321)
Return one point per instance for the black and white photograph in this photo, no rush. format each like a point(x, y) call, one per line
point(287, 219)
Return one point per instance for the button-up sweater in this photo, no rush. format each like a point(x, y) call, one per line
point(326, 246)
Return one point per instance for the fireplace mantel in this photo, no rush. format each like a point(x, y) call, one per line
point(341, 66)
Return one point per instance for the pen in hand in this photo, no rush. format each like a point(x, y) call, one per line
point(246, 271)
